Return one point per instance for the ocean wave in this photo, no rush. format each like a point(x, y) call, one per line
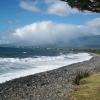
point(11, 68)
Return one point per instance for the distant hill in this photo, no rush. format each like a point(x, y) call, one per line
point(87, 41)
point(82, 42)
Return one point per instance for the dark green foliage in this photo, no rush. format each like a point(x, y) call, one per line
point(80, 75)
point(89, 50)
point(90, 5)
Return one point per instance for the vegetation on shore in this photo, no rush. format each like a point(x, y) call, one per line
point(91, 50)
point(89, 88)
point(80, 75)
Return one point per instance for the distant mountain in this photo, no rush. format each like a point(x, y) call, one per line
point(86, 42)
point(82, 42)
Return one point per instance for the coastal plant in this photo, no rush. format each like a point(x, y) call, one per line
point(80, 75)
point(90, 90)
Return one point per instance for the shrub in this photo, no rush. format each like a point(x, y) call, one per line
point(80, 75)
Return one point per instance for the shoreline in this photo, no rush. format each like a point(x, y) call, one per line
point(49, 85)
point(80, 57)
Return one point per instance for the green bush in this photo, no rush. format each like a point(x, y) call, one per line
point(80, 75)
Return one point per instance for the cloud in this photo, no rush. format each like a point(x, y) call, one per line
point(94, 25)
point(94, 22)
point(46, 33)
point(50, 1)
point(61, 9)
point(55, 7)
point(50, 33)
point(13, 22)
point(30, 6)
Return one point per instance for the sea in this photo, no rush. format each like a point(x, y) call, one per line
point(20, 62)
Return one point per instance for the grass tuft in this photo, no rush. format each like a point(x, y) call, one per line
point(90, 90)
point(80, 75)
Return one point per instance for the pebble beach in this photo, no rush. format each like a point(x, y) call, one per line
point(50, 85)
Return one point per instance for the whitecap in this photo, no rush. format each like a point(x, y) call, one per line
point(18, 67)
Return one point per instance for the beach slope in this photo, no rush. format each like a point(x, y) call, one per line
point(51, 85)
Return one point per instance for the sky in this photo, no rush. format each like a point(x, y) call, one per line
point(44, 22)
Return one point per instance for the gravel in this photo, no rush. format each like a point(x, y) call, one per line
point(50, 85)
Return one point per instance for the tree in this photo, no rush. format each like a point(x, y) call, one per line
point(90, 5)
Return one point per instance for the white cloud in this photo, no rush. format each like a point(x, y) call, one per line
point(30, 6)
point(94, 22)
point(55, 7)
point(50, 33)
point(51, 1)
point(94, 25)
point(61, 8)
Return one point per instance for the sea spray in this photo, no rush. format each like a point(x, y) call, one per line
point(11, 68)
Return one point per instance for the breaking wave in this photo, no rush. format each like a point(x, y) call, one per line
point(11, 68)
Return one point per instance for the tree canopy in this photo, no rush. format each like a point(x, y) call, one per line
point(90, 5)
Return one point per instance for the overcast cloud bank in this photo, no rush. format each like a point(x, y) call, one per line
point(50, 33)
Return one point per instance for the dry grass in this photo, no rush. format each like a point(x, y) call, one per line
point(80, 75)
point(89, 88)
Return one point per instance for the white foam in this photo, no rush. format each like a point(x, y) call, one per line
point(22, 67)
